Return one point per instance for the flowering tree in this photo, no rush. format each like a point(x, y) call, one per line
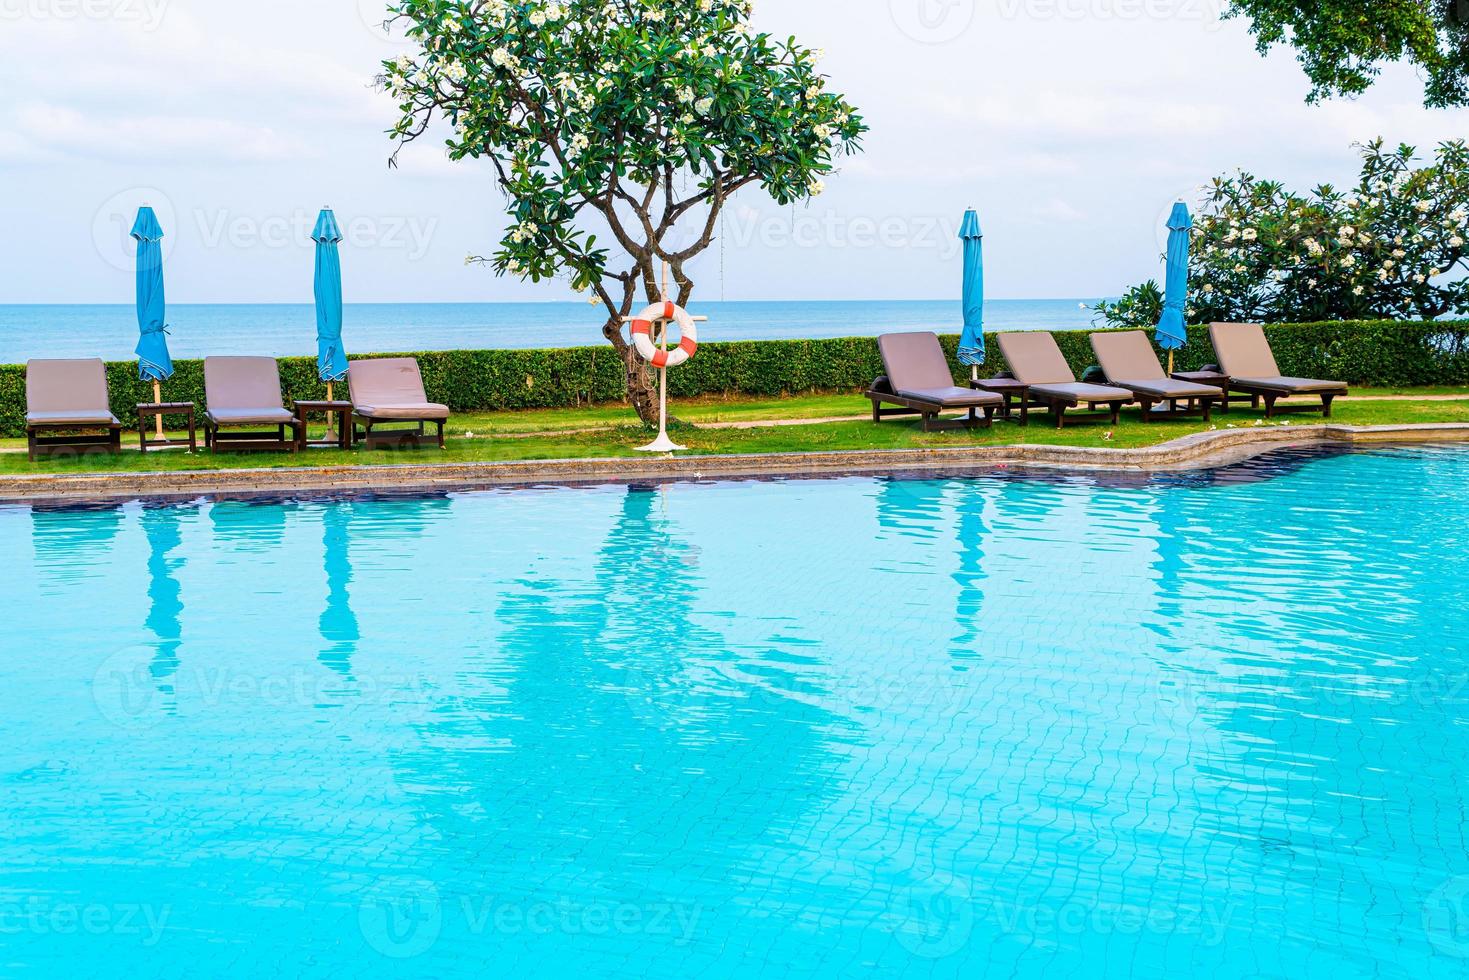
point(1342, 44)
point(1392, 247)
point(638, 119)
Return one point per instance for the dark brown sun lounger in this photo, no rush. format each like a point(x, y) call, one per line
point(1246, 359)
point(1038, 363)
point(1129, 361)
point(66, 403)
point(919, 381)
point(390, 390)
point(244, 393)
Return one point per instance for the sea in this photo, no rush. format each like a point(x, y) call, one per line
point(110, 332)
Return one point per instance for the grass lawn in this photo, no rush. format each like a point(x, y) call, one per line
point(551, 434)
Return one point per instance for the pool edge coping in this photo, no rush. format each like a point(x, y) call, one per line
point(1196, 451)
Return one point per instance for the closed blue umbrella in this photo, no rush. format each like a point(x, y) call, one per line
point(971, 341)
point(1173, 327)
point(331, 357)
point(154, 364)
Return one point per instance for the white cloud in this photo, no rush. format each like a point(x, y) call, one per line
point(156, 139)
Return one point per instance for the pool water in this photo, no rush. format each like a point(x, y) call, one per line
point(989, 726)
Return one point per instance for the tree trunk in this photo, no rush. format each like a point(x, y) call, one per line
point(642, 386)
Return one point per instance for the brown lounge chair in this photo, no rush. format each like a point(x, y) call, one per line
point(1246, 359)
point(1129, 361)
point(1038, 363)
point(919, 380)
point(69, 397)
point(245, 392)
point(390, 390)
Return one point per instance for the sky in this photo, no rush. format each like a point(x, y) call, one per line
point(1072, 125)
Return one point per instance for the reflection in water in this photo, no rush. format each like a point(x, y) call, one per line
point(72, 545)
point(162, 529)
point(338, 624)
point(611, 726)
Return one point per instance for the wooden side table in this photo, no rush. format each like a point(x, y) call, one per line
point(341, 411)
point(153, 410)
point(1010, 389)
point(1214, 379)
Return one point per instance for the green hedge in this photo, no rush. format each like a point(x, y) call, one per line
point(1363, 353)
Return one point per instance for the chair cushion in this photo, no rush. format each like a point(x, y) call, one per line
point(100, 416)
point(386, 381)
point(1300, 386)
point(915, 361)
point(1127, 356)
point(1079, 392)
point(243, 385)
point(1243, 351)
point(953, 397)
point(71, 387)
point(251, 416)
point(1035, 359)
point(1167, 388)
point(422, 410)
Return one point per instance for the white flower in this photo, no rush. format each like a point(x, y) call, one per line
point(1434, 273)
point(1455, 241)
point(1420, 278)
point(815, 187)
point(1424, 206)
point(1357, 291)
point(1208, 288)
point(703, 106)
point(1398, 253)
point(685, 94)
point(813, 91)
point(1347, 231)
point(1250, 234)
point(1311, 283)
point(1348, 261)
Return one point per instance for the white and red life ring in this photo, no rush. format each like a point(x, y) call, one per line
point(642, 335)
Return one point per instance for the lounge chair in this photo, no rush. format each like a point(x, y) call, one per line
point(245, 392)
point(387, 391)
point(1129, 361)
point(1038, 363)
point(1246, 359)
point(69, 397)
point(919, 380)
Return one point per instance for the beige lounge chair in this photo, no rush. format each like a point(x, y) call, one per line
point(245, 393)
point(69, 396)
point(387, 391)
point(1038, 363)
point(1129, 361)
point(1246, 359)
point(919, 380)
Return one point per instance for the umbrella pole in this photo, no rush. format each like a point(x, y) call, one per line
point(158, 400)
point(1170, 364)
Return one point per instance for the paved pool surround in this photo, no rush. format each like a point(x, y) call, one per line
point(1201, 450)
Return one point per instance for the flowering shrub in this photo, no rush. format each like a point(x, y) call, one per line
point(1392, 247)
point(634, 118)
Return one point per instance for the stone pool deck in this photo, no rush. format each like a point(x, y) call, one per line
point(1202, 450)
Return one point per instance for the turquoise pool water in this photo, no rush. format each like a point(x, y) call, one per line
point(1205, 726)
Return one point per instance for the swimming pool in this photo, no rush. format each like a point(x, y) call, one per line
point(931, 728)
